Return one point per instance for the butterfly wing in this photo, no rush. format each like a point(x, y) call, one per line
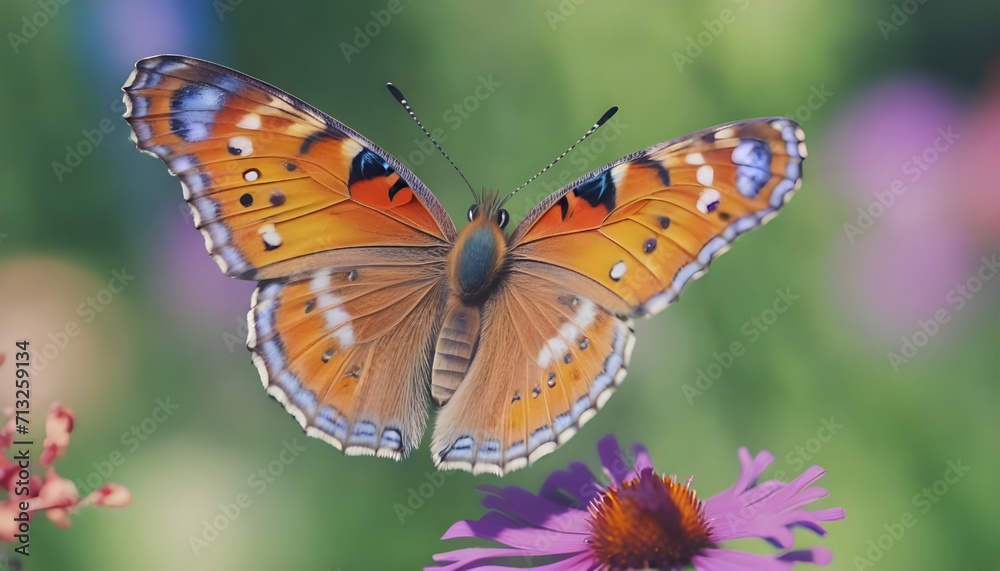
point(621, 241)
point(347, 350)
point(350, 243)
point(547, 359)
point(273, 182)
point(647, 224)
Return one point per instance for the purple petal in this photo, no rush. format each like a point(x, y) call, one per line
point(471, 557)
point(642, 459)
point(577, 481)
point(581, 562)
point(815, 555)
point(612, 460)
point(499, 527)
point(769, 510)
point(732, 560)
point(537, 511)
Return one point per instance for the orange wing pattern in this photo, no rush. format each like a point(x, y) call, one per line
point(271, 180)
point(548, 359)
point(646, 224)
point(347, 350)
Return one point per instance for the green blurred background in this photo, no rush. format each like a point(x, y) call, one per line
point(872, 83)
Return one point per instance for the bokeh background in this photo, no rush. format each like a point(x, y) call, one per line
point(892, 338)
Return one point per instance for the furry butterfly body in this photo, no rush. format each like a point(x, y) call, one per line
point(369, 297)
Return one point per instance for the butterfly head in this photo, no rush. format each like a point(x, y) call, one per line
point(498, 215)
point(480, 250)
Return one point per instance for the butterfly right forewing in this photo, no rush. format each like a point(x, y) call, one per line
point(647, 224)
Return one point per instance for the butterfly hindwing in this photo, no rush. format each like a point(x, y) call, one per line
point(645, 225)
point(347, 350)
point(548, 359)
point(273, 182)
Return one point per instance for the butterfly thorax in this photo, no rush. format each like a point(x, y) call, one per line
point(478, 256)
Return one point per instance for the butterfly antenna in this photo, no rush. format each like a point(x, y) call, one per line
point(604, 119)
point(402, 101)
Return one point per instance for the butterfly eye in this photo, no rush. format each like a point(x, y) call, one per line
point(473, 212)
point(503, 218)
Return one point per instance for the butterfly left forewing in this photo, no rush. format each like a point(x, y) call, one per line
point(645, 225)
point(274, 183)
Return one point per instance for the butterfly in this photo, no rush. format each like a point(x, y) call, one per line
point(370, 298)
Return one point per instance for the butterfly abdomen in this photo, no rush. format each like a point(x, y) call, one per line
point(476, 260)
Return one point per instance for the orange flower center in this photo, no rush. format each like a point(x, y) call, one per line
point(650, 522)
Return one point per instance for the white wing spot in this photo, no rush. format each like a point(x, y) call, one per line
point(345, 336)
point(270, 235)
point(240, 146)
point(351, 148)
point(336, 317)
point(706, 175)
point(584, 318)
point(320, 282)
point(694, 159)
point(249, 121)
point(708, 200)
point(726, 133)
point(618, 173)
point(618, 271)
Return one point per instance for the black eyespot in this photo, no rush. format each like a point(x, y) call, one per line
point(473, 212)
point(503, 218)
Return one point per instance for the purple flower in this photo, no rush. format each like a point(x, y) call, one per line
point(642, 520)
point(916, 172)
